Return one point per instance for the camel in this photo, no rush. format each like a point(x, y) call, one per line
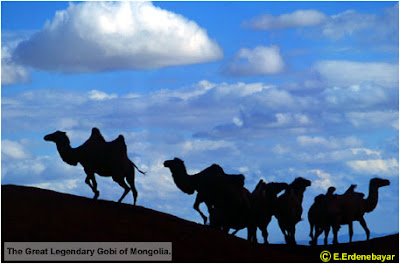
point(317, 216)
point(101, 157)
point(288, 208)
point(352, 207)
point(264, 199)
point(235, 213)
point(213, 186)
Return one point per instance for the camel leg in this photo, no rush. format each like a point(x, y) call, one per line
point(335, 230)
point(350, 231)
point(93, 184)
point(123, 184)
point(252, 233)
point(318, 232)
point(326, 236)
point(264, 230)
point(264, 233)
point(292, 232)
point(130, 178)
point(196, 207)
point(364, 225)
point(283, 232)
point(311, 232)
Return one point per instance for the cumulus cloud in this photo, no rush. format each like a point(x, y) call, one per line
point(323, 180)
point(103, 36)
point(298, 18)
point(258, 61)
point(380, 167)
point(12, 72)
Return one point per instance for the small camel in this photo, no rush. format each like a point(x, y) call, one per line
point(235, 213)
point(101, 157)
point(352, 207)
point(264, 199)
point(288, 208)
point(213, 186)
point(317, 216)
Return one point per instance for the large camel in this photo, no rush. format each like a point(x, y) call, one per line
point(352, 207)
point(289, 209)
point(213, 186)
point(101, 157)
point(264, 199)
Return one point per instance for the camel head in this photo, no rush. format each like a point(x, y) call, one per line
point(58, 137)
point(300, 183)
point(180, 176)
point(174, 163)
point(378, 182)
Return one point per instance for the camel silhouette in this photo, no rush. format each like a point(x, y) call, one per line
point(289, 209)
point(352, 207)
point(264, 198)
point(101, 157)
point(317, 216)
point(235, 212)
point(213, 186)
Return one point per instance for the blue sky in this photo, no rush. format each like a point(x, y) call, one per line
point(273, 90)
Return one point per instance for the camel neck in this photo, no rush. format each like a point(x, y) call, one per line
point(182, 180)
point(372, 199)
point(67, 153)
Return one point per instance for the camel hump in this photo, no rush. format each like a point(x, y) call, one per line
point(259, 187)
point(216, 168)
point(96, 135)
point(119, 144)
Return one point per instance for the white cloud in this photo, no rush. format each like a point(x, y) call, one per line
point(374, 119)
point(13, 149)
point(358, 96)
point(346, 23)
point(206, 145)
point(378, 30)
point(380, 167)
point(330, 143)
point(103, 36)
point(59, 186)
point(258, 61)
point(100, 96)
point(348, 73)
point(323, 181)
point(298, 18)
point(11, 72)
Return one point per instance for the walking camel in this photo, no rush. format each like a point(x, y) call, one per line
point(352, 207)
point(317, 216)
point(289, 209)
point(264, 199)
point(235, 213)
point(213, 186)
point(101, 157)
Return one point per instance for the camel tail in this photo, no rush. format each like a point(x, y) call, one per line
point(134, 165)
